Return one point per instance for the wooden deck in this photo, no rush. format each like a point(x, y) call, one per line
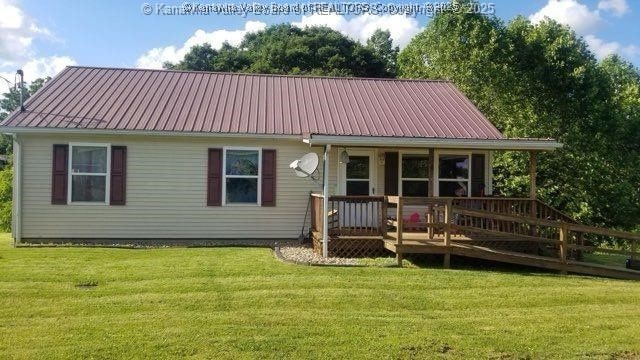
point(515, 231)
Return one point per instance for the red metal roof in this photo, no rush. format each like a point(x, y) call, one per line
point(182, 101)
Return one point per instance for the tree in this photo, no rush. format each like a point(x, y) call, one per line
point(6, 189)
point(286, 49)
point(540, 80)
point(468, 49)
point(10, 102)
point(624, 79)
point(382, 46)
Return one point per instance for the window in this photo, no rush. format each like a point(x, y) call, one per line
point(453, 175)
point(414, 175)
point(357, 178)
point(242, 172)
point(89, 173)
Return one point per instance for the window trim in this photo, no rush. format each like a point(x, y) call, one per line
point(401, 179)
point(468, 154)
point(225, 176)
point(107, 174)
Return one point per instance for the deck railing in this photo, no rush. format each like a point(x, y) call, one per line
point(563, 240)
point(499, 221)
point(485, 221)
point(350, 215)
point(512, 206)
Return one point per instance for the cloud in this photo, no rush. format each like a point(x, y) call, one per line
point(586, 21)
point(602, 48)
point(17, 32)
point(154, 58)
point(37, 68)
point(570, 12)
point(360, 28)
point(616, 7)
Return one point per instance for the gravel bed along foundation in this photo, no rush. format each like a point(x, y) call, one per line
point(303, 254)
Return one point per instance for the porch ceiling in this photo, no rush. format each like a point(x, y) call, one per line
point(442, 143)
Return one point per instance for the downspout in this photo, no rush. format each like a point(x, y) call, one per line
point(325, 203)
point(17, 191)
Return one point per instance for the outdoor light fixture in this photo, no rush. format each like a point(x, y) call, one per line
point(344, 157)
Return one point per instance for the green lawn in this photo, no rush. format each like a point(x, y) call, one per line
point(244, 303)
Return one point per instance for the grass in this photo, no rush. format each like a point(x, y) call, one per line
point(244, 303)
point(606, 259)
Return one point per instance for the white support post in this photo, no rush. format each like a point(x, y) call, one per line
point(325, 203)
point(17, 191)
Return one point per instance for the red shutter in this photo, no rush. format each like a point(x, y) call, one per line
point(59, 175)
point(268, 178)
point(118, 190)
point(214, 178)
point(391, 173)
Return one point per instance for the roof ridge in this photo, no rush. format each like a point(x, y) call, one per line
point(263, 74)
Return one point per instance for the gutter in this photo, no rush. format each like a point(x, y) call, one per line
point(49, 131)
point(441, 143)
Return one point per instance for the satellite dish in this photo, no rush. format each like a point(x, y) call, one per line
point(306, 166)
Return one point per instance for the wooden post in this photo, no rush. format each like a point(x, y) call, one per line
point(383, 217)
point(447, 233)
point(431, 220)
point(399, 230)
point(533, 172)
point(431, 192)
point(430, 174)
point(563, 246)
point(399, 221)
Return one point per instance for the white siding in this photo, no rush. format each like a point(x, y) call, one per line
point(166, 193)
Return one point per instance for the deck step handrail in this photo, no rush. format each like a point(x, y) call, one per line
point(564, 232)
point(551, 223)
point(559, 236)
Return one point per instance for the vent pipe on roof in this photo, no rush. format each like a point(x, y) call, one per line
point(21, 84)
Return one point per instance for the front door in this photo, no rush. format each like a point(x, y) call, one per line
point(357, 178)
point(358, 175)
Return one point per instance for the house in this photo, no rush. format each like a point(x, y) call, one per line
point(130, 155)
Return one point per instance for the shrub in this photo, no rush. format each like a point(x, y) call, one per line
point(6, 192)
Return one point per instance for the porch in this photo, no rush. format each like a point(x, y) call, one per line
point(511, 230)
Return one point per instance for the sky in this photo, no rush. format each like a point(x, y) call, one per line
point(42, 37)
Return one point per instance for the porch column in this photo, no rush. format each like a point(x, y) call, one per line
point(431, 192)
point(325, 202)
point(533, 172)
point(16, 209)
point(431, 173)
